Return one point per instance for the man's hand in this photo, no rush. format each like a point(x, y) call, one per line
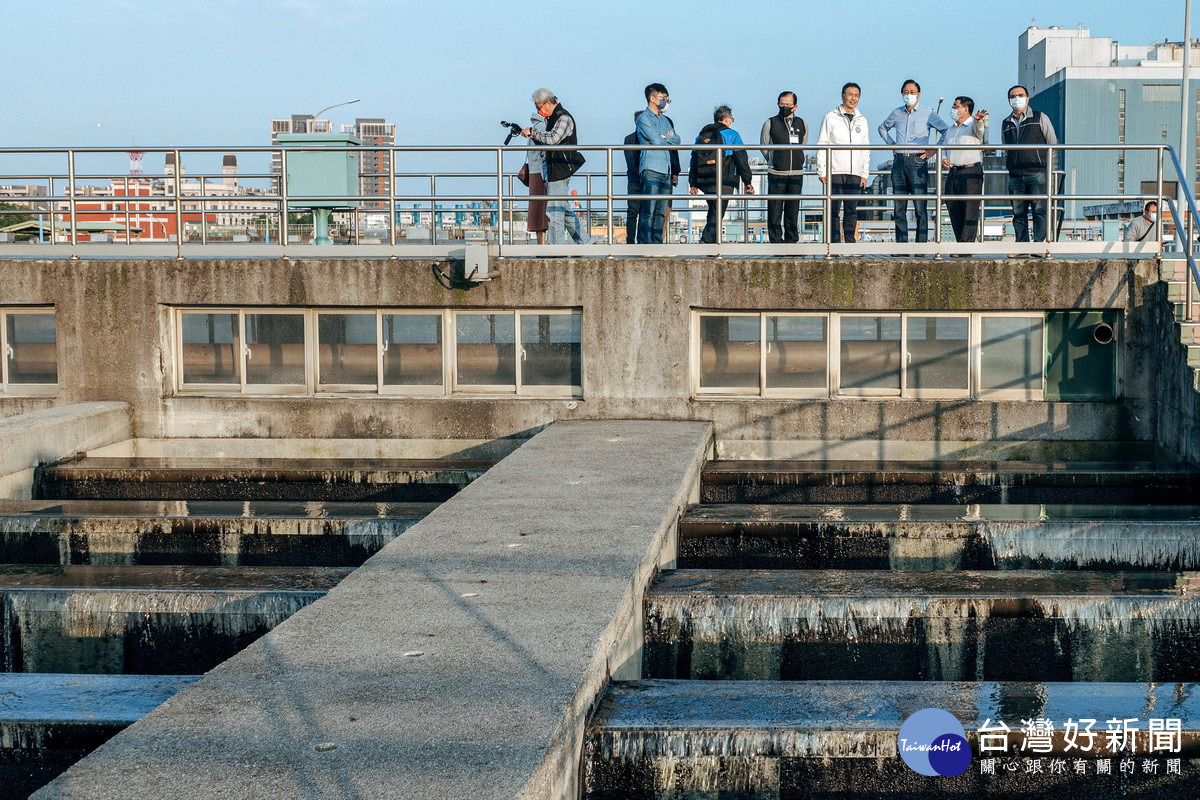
point(693, 190)
point(526, 131)
point(821, 178)
point(927, 154)
point(945, 163)
point(749, 189)
point(674, 180)
point(862, 183)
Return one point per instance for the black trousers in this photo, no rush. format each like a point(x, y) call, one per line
point(782, 215)
point(844, 184)
point(964, 214)
point(633, 211)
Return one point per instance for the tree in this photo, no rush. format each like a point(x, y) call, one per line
point(7, 218)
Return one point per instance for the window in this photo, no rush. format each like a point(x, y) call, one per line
point(797, 353)
point(547, 362)
point(412, 352)
point(427, 352)
point(936, 355)
point(1010, 356)
point(29, 345)
point(730, 347)
point(870, 354)
point(937, 359)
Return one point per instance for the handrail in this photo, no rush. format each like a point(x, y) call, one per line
point(1182, 235)
point(280, 198)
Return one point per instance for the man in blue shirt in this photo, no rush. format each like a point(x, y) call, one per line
point(655, 128)
point(911, 124)
point(735, 166)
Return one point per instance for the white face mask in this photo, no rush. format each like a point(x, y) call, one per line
point(1018, 103)
point(1153, 216)
point(910, 100)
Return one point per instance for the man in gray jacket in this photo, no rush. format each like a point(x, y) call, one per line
point(785, 169)
point(1142, 228)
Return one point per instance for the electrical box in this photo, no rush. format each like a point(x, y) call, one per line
point(323, 176)
point(477, 262)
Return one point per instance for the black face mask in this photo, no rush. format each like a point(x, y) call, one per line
point(783, 112)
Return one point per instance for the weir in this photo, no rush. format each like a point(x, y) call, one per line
point(126, 571)
point(201, 532)
point(973, 537)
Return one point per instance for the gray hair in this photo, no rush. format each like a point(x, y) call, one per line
point(721, 112)
point(544, 96)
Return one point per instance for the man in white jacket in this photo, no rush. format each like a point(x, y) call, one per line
point(845, 170)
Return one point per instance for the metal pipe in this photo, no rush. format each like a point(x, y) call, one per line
point(70, 196)
point(1185, 105)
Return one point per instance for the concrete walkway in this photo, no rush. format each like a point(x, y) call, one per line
point(459, 662)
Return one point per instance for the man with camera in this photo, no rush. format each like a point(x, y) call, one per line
point(559, 166)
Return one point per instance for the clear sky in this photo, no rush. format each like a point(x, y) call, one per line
point(215, 72)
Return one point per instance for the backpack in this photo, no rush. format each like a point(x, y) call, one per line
point(704, 159)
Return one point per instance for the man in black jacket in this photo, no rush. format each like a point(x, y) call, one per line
point(1027, 168)
point(702, 174)
point(559, 165)
point(785, 169)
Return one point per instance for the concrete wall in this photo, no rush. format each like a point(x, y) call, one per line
point(114, 342)
point(39, 437)
point(1174, 406)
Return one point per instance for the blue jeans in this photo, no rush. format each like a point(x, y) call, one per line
point(652, 220)
point(910, 175)
point(1034, 183)
point(563, 219)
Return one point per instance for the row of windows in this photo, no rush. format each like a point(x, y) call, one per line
point(538, 352)
point(390, 352)
point(919, 355)
point(30, 351)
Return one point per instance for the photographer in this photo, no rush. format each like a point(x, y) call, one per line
point(559, 166)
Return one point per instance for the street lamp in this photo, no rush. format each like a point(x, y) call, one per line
point(335, 105)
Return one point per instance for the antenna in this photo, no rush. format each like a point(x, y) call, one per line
point(135, 162)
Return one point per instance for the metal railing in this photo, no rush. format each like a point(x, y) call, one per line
point(190, 202)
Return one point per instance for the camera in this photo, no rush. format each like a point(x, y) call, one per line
point(513, 130)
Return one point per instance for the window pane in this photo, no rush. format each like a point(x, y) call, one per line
point(729, 351)
point(210, 348)
point(347, 347)
point(414, 349)
point(1010, 356)
point(870, 349)
point(486, 349)
point(34, 355)
point(797, 352)
point(550, 349)
point(276, 345)
point(937, 353)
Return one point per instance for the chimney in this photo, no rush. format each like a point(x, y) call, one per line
point(229, 169)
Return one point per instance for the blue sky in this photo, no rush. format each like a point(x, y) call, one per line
point(214, 72)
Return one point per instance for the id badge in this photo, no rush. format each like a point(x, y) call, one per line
point(795, 139)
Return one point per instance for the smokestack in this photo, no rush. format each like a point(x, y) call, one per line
point(229, 169)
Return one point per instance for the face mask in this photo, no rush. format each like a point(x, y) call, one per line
point(786, 111)
point(910, 100)
point(1018, 103)
point(544, 112)
point(663, 103)
point(1153, 216)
